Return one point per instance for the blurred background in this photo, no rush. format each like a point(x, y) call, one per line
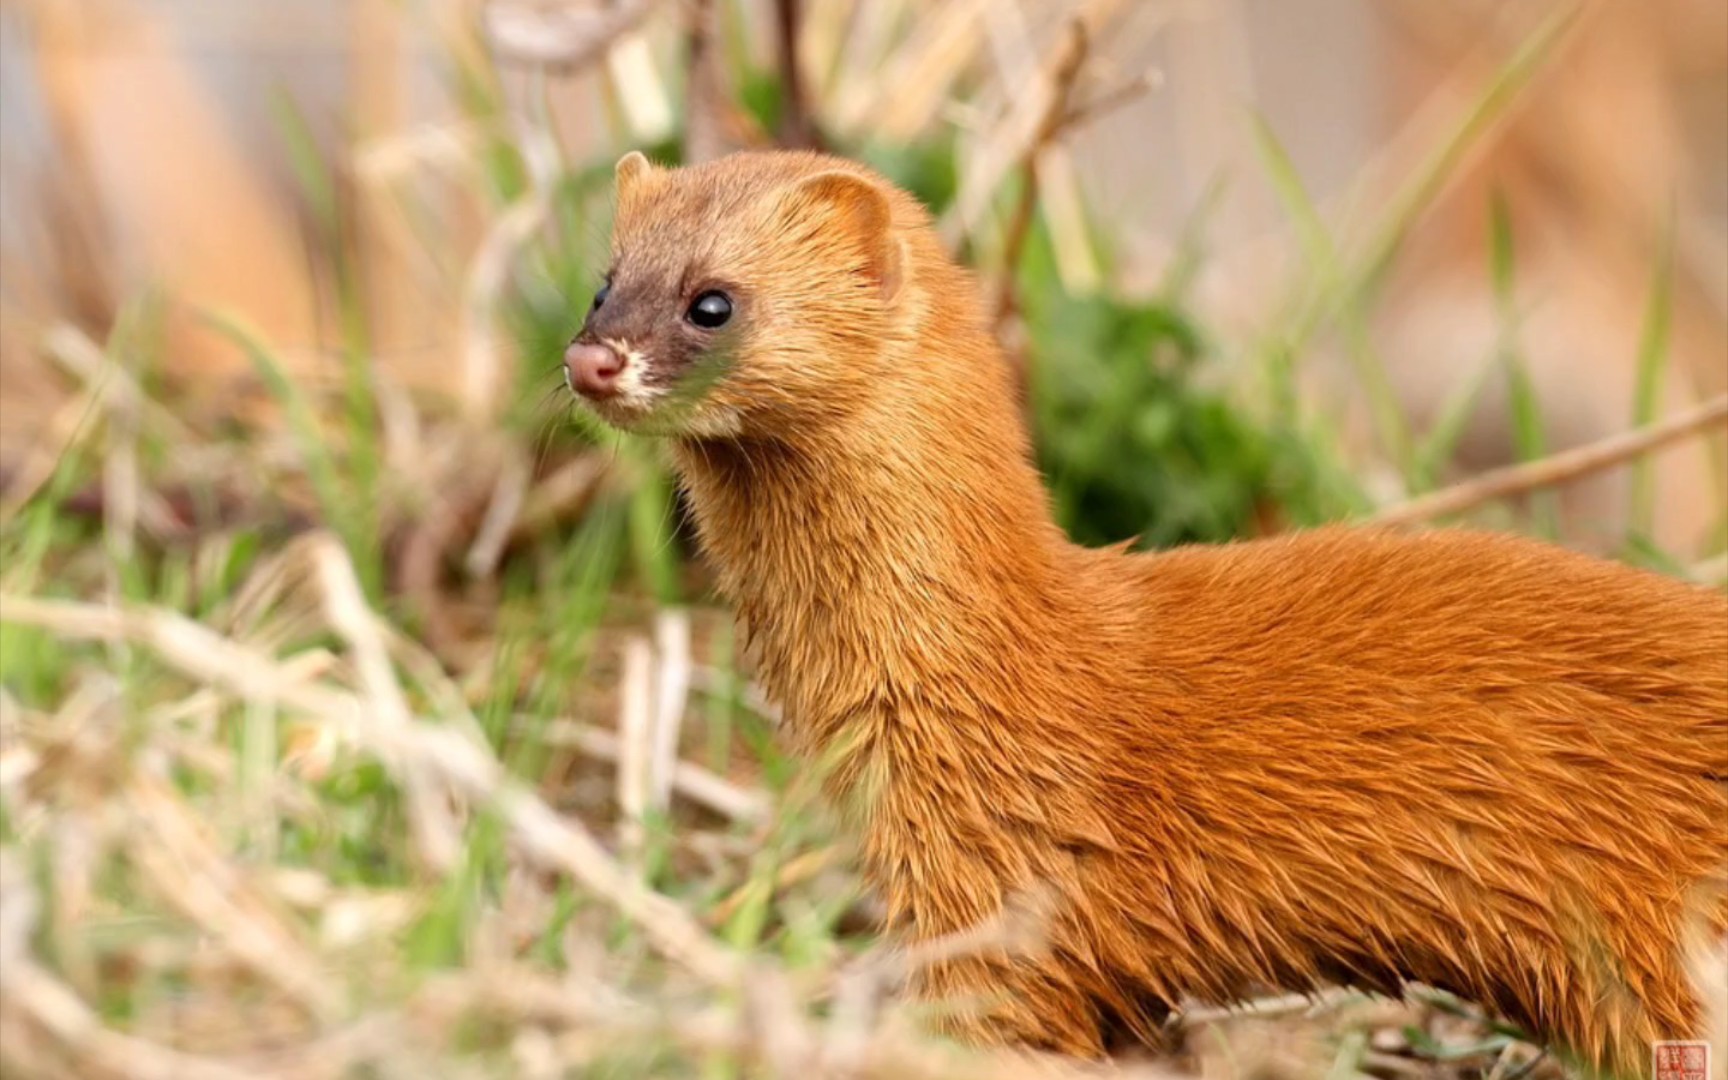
point(283, 283)
point(1313, 188)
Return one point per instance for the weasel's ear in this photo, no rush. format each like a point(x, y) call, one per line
point(858, 211)
point(630, 171)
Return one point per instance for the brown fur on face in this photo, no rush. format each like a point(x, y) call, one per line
point(801, 244)
point(1346, 756)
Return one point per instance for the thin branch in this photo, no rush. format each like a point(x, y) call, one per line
point(1025, 119)
point(1556, 469)
point(704, 91)
point(1105, 102)
point(1065, 70)
point(796, 129)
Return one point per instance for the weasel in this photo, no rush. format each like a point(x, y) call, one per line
point(1345, 756)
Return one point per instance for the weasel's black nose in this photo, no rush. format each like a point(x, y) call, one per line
point(593, 370)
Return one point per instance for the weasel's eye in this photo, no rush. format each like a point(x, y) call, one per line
point(600, 295)
point(710, 310)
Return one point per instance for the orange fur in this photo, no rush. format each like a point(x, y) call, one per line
point(1346, 756)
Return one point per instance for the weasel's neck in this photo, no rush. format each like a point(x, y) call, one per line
point(877, 569)
point(914, 608)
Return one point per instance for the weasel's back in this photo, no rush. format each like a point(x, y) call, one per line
point(1505, 621)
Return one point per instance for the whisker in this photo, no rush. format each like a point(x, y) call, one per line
point(547, 419)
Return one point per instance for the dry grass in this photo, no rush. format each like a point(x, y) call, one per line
point(135, 867)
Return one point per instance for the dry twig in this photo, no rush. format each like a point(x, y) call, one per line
point(796, 127)
point(707, 105)
point(635, 739)
point(690, 780)
point(1556, 469)
point(1069, 59)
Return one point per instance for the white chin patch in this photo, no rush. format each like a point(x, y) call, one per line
point(648, 403)
point(632, 392)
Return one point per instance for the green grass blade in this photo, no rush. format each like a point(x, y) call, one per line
point(335, 501)
point(319, 188)
point(1651, 372)
point(307, 164)
point(1432, 175)
point(1434, 452)
point(1501, 253)
point(722, 713)
point(1528, 437)
point(1311, 231)
point(655, 549)
point(1328, 294)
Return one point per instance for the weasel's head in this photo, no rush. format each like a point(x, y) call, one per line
point(749, 297)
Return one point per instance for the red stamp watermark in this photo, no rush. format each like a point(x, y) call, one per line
point(1681, 1060)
